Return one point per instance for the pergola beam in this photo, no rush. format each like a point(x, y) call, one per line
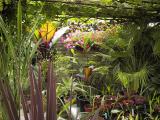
point(131, 13)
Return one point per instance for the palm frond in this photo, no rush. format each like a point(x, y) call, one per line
point(133, 80)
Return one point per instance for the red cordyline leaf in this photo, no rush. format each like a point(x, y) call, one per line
point(51, 93)
point(40, 88)
point(12, 102)
point(36, 97)
point(8, 101)
point(32, 93)
point(40, 77)
point(38, 94)
point(24, 104)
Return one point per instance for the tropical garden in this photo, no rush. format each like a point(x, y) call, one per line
point(79, 60)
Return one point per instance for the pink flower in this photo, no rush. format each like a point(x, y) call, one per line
point(69, 46)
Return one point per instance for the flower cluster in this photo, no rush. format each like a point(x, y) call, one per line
point(77, 41)
point(83, 41)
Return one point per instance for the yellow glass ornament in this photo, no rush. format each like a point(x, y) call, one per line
point(47, 31)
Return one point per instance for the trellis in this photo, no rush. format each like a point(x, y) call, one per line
point(119, 10)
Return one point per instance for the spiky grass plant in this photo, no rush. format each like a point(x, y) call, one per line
point(16, 55)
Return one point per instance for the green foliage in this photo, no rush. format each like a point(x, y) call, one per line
point(64, 66)
point(129, 54)
point(102, 70)
point(2, 2)
point(156, 48)
point(17, 55)
point(64, 87)
point(19, 22)
point(133, 80)
point(154, 33)
point(106, 1)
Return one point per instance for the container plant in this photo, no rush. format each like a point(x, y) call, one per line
point(94, 104)
point(90, 101)
point(82, 101)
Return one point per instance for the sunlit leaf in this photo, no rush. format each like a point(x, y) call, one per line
point(47, 31)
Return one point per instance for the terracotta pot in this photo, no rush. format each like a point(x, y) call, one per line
point(81, 102)
point(88, 108)
point(139, 100)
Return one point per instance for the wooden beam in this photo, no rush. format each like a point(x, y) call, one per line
point(104, 11)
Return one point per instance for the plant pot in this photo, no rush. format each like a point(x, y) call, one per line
point(88, 108)
point(139, 100)
point(97, 102)
point(81, 102)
